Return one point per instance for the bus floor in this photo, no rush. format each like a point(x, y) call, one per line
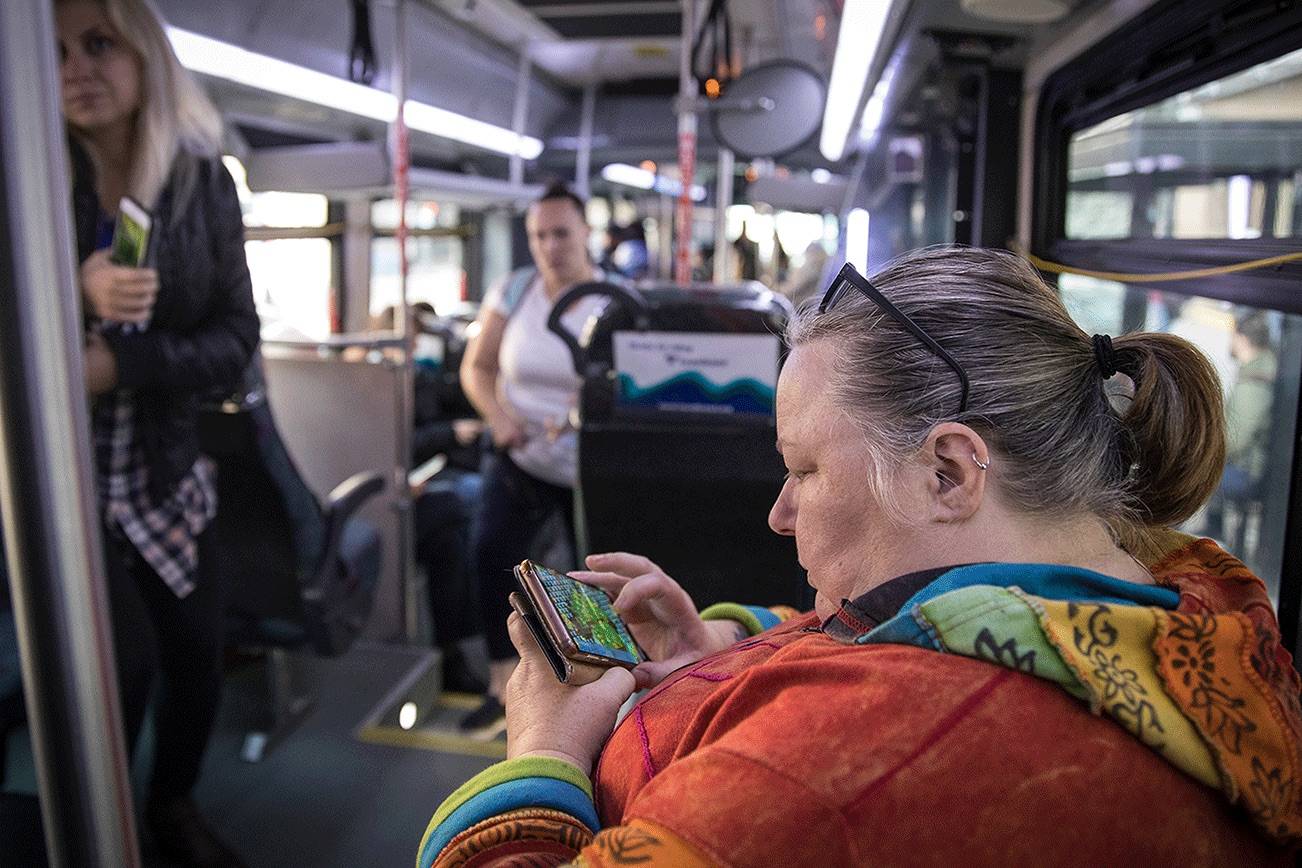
point(341, 789)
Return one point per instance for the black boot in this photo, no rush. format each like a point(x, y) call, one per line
point(181, 834)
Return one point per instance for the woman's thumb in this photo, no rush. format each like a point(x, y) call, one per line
point(651, 673)
point(616, 682)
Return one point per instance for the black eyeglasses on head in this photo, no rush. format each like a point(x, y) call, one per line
point(848, 277)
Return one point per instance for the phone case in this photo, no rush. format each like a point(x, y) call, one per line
point(525, 609)
point(554, 625)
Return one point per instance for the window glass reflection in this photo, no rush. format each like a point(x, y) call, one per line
point(1257, 354)
point(292, 283)
point(420, 215)
point(1219, 161)
point(435, 273)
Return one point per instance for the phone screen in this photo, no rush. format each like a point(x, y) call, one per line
point(588, 617)
point(130, 234)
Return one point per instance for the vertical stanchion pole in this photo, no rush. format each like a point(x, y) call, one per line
point(583, 155)
point(401, 154)
point(665, 237)
point(520, 114)
point(57, 579)
point(686, 146)
point(723, 198)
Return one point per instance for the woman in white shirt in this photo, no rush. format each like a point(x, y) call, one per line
point(520, 377)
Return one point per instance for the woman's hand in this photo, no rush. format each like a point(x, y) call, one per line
point(466, 431)
point(660, 614)
point(507, 432)
point(118, 293)
point(547, 718)
point(101, 365)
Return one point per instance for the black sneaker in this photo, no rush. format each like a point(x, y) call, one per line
point(486, 722)
point(182, 835)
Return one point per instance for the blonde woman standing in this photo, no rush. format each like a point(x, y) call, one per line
point(156, 337)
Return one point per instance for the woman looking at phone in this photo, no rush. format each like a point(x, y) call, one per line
point(157, 336)
point(1011, 660)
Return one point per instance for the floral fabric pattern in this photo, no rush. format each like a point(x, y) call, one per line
point(1208, 686)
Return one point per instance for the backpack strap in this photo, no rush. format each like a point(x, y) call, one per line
point(516, 286)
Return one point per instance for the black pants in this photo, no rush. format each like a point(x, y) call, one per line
point(514, 507)
point(180, 640)
point(443, 520)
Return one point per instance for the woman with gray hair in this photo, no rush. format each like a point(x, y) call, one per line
point(159, 333)
point(1012, 659)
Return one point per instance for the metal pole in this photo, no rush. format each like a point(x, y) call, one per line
point(686, 146)
point(401, 324)
point(583, 157)
point(521, 113)
point(665, 254)
point(723, 185)
point(852, 186)
point(357, 265)
point(46, 487)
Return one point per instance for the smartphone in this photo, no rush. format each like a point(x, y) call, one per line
point(573, 622)
point(130, 234)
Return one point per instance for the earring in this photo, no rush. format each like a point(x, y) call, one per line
point(984, 465)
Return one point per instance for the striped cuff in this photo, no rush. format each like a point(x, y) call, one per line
point(525, 782)
point(754, 618)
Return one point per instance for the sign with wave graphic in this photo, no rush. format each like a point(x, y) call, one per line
point(697, 372)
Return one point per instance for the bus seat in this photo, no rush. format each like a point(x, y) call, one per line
point(300, 575)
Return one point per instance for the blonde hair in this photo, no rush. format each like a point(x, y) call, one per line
point(177, 124)
point(1067, 443)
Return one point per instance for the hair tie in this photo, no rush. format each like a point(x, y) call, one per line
point(1105, 355)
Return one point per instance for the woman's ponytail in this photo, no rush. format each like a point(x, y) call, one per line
point(1175, 425)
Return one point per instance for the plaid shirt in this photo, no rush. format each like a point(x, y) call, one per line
point(164, 533)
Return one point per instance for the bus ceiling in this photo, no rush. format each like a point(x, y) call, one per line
point(469, 63)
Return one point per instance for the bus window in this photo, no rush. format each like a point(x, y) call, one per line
point(435, 255)
point(1217, 161)
point(1096, 305)
point(292, 274)
point(1255, 353)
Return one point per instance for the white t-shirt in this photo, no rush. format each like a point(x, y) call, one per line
point(536, 381)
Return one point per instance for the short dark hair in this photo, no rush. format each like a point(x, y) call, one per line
point(557, 190)
point(1255, 326)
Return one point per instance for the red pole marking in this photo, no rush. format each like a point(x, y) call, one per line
point(687, 171)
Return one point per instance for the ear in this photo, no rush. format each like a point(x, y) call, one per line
point(952, 456)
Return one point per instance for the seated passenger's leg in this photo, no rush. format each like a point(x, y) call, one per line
point(441, 521)
point(513, 507)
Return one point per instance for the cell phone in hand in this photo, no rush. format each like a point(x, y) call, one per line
point(574, 623)
point(130, 234)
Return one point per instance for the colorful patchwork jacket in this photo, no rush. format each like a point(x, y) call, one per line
point(1001, 714)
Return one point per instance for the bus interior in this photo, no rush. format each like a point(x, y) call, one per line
point(1138, 151)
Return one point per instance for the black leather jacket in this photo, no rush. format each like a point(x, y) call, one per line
point(204, 327)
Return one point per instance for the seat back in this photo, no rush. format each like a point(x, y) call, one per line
point(295, 573)
point(338, 602)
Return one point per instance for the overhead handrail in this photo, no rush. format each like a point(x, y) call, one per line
point(1160, 277)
